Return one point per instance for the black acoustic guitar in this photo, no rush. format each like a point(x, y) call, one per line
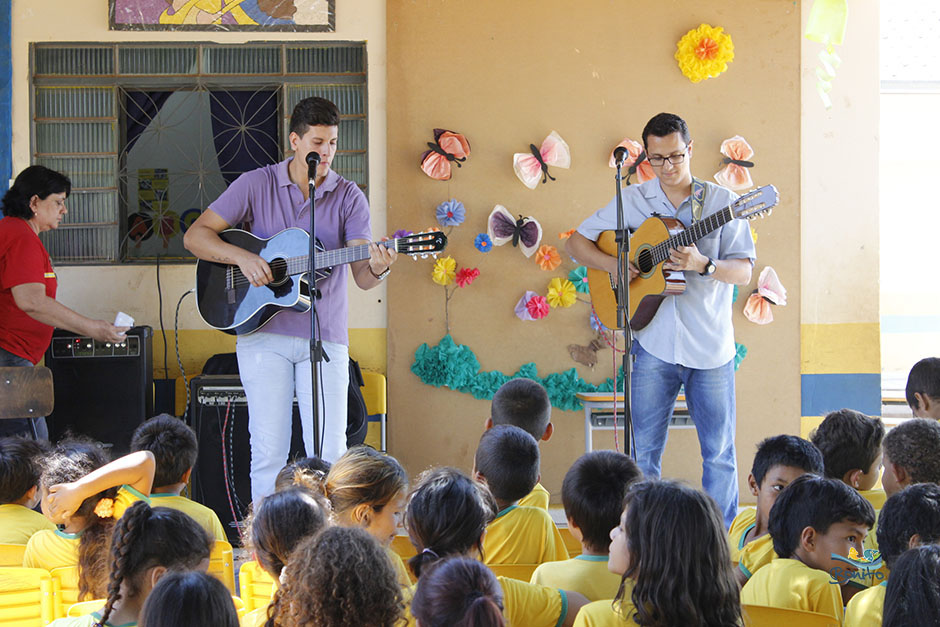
point(227, 301)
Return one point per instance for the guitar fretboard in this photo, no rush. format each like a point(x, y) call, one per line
point(689, 236)
point(330, 258)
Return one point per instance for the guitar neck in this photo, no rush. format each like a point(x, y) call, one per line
point(694, 233)
point(338, 257)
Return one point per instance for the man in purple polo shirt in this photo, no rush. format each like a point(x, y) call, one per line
point(274, 362)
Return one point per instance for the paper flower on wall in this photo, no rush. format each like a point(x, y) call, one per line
point(451, 213)
point(531, 306)
point(566, 234)
point(483, 243)
point(524, 232)
point(448, 147)
point(466, 276)
point(529, 167)
point(548, 258)
point(736, 173)
point(826, 25)
point(770, 291)
point(636, 162)
point(561, 292)
point(596, 323)
point(578, 278)
point(444, 270)
point(401, 233)
point(704, 52)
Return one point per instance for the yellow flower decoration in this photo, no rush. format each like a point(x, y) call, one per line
point(445, 269)
point(105, 508)
point(561, 292)
point(704, 52)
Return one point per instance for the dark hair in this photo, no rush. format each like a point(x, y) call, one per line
point(913, 594)
point(914, 445)
point(146, 537)
point(313, 111)
point(303, 471)
point(786, 450)
point(665, 124)
point(914, 510)
point(848, 440)
point(447, 514)
point(339, 577)
point(924, 378)
point(522, 403)
point(678, 551)
point(508, 458)
point(593, 492)
point(282, 521)
point(71, 460)
point(459, 592)
point(364, 475)
point(173, 444)
point(19, 467)
point(36, 180)
point(817, 502)
point(188, 599)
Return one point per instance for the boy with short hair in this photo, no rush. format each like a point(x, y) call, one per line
point(778, 462)
point(174, 447)
point(909, 518)
point(923, 388)
point(524, 403)
point(911, 454)
point(850, 443)
point(814, 519)
point(19, 490)
point(507, 461)
point(592, 492)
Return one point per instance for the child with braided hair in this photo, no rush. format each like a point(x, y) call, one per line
point(147, 543)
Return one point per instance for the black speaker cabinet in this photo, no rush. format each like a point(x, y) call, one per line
point(103, 390)
point(218, 413)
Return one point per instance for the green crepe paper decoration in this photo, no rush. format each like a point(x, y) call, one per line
point(455, 366)
point(740, 352)
point(734, 295)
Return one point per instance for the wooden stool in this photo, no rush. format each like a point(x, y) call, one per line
point(26, 393)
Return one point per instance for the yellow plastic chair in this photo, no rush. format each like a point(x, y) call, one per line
point(222, 564)
point(256, 587)
point(761, 616)
point(239, 606)
point(403, 546)
point(85, 607)
point(26, 597)
point(523, 572)
point(571, 543)
point(65, 581)
point(374, 393)
point(12, 554)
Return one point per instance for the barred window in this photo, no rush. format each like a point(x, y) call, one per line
point(151, 134)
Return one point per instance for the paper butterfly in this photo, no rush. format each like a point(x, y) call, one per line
point(528, 167)
point(636, 161)
point(526, 233)
point(735, 174)
point(770, 291)
point(447, 147)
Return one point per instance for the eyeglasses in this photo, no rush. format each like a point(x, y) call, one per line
point(673, 159)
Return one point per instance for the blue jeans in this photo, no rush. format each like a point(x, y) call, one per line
point(710, 398)
point(21, 426)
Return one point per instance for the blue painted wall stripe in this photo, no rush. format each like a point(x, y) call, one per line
point(6, 95)
point(823, 393)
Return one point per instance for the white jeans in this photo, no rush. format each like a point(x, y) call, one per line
point(274, 368)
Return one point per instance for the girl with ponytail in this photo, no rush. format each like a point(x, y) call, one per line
point(458, 592)
point(147, 543)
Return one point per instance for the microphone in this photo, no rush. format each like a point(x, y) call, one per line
point(313, 159)
point(620, 155)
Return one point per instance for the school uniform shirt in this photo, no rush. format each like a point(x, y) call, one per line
point(756, 554)
point(127, 496)
point(51, 549)
point(206, 518)
point(586, 574)
point(524, 604)
point(254, 618)
point(401, 571)
point(605, 613)
point(523, 535)
point(740, 527)
point(866, 608)
point(87, 621)
point(18, 523)
point(877, 498)
point(791, 584)
point(871, 542)
point(538, 497)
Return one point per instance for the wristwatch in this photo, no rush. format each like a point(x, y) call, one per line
point(709, 268)
point(381, 276)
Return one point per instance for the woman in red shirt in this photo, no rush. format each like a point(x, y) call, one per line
point(28, 308)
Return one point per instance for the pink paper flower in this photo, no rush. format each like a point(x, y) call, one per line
point(466, 276)
point(537, 306)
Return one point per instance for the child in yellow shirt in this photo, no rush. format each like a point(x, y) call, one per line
point(459, 591)
point(850, 443)
point(923, 388)
point(913, 592)
point(187, 599)
point(814, 521)
point(524, 403)
point(507, 460)
point(778, 461)
point(670, 538)
point(19, 491)
point(174, 447)
point(592, 492)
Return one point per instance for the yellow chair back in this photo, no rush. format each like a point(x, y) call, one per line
point(255, 585)
point(761, 616)
point(403, 546)
point(222, 564)
point(65, 580)
point(523, 572)
point(374, 392)
point(85, 607)
point(12, 554)
point(26, 597)
point(571, 543)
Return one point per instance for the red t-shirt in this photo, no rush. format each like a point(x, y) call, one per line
point(23, 259)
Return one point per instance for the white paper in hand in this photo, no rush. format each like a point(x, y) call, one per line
point(123, 320)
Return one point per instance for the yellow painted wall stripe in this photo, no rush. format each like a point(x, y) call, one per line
point(847, 348)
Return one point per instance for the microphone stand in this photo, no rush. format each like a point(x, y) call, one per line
point(316, 346)
point(623, 320)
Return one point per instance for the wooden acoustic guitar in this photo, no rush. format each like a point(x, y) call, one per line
point(227, 301)
point(649, 248)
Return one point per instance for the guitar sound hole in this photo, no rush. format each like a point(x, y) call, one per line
point(644, 261)
point(279, 270)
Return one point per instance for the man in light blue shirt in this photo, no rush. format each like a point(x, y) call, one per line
point(689, 341)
